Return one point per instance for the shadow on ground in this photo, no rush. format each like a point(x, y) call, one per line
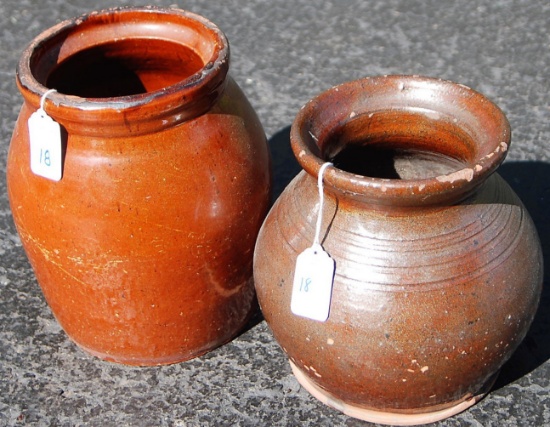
point(530, 180)
point(285, 166)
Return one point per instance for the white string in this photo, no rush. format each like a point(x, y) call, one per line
point(321, 201)
point(43, 99)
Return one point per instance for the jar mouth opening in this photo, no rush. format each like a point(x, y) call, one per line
point(401, 140)
point(122, 58)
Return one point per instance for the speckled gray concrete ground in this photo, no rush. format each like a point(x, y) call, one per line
point(284, 53)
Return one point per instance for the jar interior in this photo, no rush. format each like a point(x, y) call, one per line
point(386, 162)
point(399, 145)
point(125, 67)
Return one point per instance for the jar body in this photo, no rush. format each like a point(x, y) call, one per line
point(437, 277)
point(143, 249)
point(425, 308)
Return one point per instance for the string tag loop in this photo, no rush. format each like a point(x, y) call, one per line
point(314, 271)
point(45, 143)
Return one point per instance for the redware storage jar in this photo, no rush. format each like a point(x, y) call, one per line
point(144, 247)
point(438, 267)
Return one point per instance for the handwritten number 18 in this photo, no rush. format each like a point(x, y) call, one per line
point(304, 284)
point(45, 157)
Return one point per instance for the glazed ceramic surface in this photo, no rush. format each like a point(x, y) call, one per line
point(438, 265)
point(144, 248)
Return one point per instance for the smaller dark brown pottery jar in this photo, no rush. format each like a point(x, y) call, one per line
point(143, 248)
point(438, 266)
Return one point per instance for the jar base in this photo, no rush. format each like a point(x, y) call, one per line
point(146, 361)
point(387, 418)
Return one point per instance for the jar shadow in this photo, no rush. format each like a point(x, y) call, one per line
point(530, 182)
point(284, 164)
point(284, 169)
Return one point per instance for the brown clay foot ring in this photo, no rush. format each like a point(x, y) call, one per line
point(387, 418)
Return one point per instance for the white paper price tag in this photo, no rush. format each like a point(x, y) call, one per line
point(45, 145)
point(312, 286)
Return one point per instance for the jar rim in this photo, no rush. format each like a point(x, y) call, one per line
point(175, 103)
point(460, 109)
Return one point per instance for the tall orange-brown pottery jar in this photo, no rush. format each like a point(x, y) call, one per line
point(143, 249)
point(438, 266)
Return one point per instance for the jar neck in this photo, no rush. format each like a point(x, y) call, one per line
point(126, 70)
point(401, 142)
